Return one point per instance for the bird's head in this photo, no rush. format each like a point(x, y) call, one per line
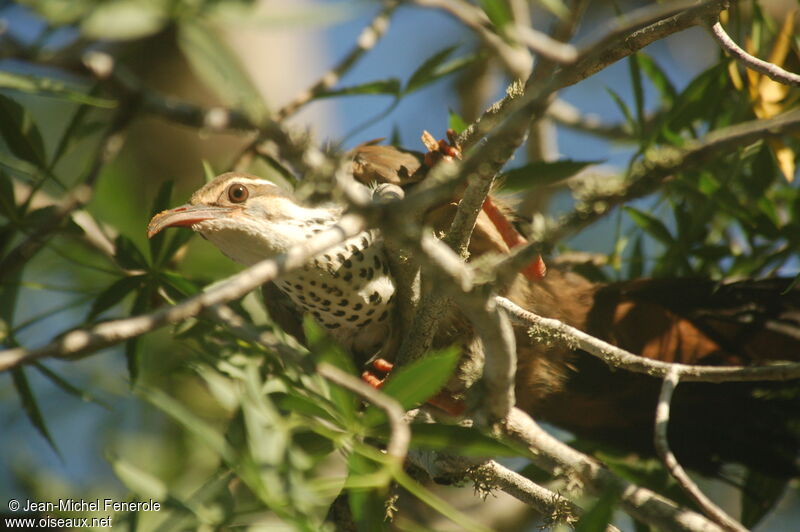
point(246, 217)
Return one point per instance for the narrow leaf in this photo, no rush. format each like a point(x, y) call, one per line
point(417, 382)
point(20, 133)
point(220, 68)
point(114, 294)
point(542, 173)
point(42, 86)
point(160, 203)
point(128, 255)
point(122, 20)
point(30, 406)
point(390, 86)
point(426, 71)
point(652, 225)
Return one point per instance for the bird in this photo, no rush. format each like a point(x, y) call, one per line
point(349, 290)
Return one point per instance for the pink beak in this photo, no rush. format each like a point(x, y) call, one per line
point(184, 216)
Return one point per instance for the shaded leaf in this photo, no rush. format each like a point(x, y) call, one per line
point(417, 382)
point(180, 284)
point(638, 90)
point(68, 387)
point(598, 515)
point(426, 72)
point(390, 86)
point(652, 225)
point(497, 11)
point(423, 76)
point(326, 350)
point(658, 78)
point(8, 205)
point(626, 112)
point(160, 203)
point(542, 173)
point(455, 122)
point(122, 20)
point(51, 87)
point(139, 481)
point(30, 406)
point(760, 495)
point(463, 441)
point(220, 68)
point(366, 504)
point(128, 255)
point(20, 133)
point(114, 294)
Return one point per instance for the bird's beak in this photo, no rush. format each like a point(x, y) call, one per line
point(184, 216)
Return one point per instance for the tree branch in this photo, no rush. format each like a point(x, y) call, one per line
point(708, 507)
point(770, 70)
point(619, 358)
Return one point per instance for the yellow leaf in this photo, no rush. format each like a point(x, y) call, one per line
point(736, 78)
point(785, 157)
point(772, 92)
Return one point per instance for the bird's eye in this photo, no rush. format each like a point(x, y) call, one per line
point(237, 193)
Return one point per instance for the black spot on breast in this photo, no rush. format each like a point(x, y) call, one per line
point(364, 242)
point(340, 256)
point(324, 285)
point(370, 273)
point(348, 263)
point(332, 325)
point(316, 314)
point(298, 286)
point(362, 273)
point(325, 309)
point(347, 276)
point(377, 262)
point(375, 298)
point(358, 306)
point(383, 316)
point(366, 322)
point(339, 313)
point(359, 255)
point(344, 303)
point(336, 291)
point(370, 312)
point(385, 268)
point(326, 302)
point(301, 297)
point(287, 287)
point(354, 317)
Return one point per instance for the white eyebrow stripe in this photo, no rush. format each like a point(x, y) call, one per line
point(253, 182)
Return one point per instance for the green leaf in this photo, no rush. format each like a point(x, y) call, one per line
point(30, 406)
point(114, 294)
point(626, 112)
point(638, 90)
point(62, 12)
point(390, 86)
point(68, 387)
point(497, 11)
point(326, 350)
point(759, 495)
point(417, 382)
point(636, 265)
point(139, 481)
point(208, 171)
point(366, 505)
point(160, 203)
point(666, 90)
point(434, 68)
point(598, 515)
point(41, 86)
point(122, 20)
point(220, 68)
point(128, 255)
point(652, 225)
point(542, 173)
point(179, 284)
point(8, 205)
point(204, 432)
point(20, 133)
point(455, 122)
point(463, 441)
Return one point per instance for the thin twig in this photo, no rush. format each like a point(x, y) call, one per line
point(770, 70)
point(401, 434)
point(708, 507)
point(112, 332)
point(369, 37)
point(516, 59)
point(641, 503)
point(620, 358)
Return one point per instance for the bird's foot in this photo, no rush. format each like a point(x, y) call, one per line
point(442, 400)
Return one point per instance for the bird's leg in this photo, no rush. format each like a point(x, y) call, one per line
point(448, 150)
point(442, 400)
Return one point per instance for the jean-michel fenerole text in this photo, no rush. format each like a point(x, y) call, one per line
point(95, 505)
